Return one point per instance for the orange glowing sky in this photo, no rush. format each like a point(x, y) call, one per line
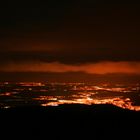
point(89, 37)
point(90, 68)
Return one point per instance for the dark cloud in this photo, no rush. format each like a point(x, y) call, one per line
point(73, 55)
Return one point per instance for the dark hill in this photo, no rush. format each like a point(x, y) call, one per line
point(96, 121)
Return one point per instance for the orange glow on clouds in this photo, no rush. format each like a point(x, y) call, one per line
point(92, 68)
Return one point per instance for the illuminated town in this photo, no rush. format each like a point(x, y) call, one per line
point(54, 94)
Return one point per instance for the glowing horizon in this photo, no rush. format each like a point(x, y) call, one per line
point(104, 67)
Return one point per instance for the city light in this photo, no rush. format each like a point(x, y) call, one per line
point(55, 94)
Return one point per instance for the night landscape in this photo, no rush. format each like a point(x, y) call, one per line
point(70, 69)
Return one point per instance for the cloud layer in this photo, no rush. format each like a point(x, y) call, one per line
point(90, 68)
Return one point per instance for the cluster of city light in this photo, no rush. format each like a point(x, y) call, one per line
point(72, 93)
point(92, 88)
point(123, 103)
point(85, 98)
point(33, 84)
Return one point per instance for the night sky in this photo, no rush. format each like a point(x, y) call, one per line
point(70, 36)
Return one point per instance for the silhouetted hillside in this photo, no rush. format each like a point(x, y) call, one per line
point(96, 121)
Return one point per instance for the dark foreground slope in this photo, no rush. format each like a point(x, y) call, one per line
point(70, 121)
